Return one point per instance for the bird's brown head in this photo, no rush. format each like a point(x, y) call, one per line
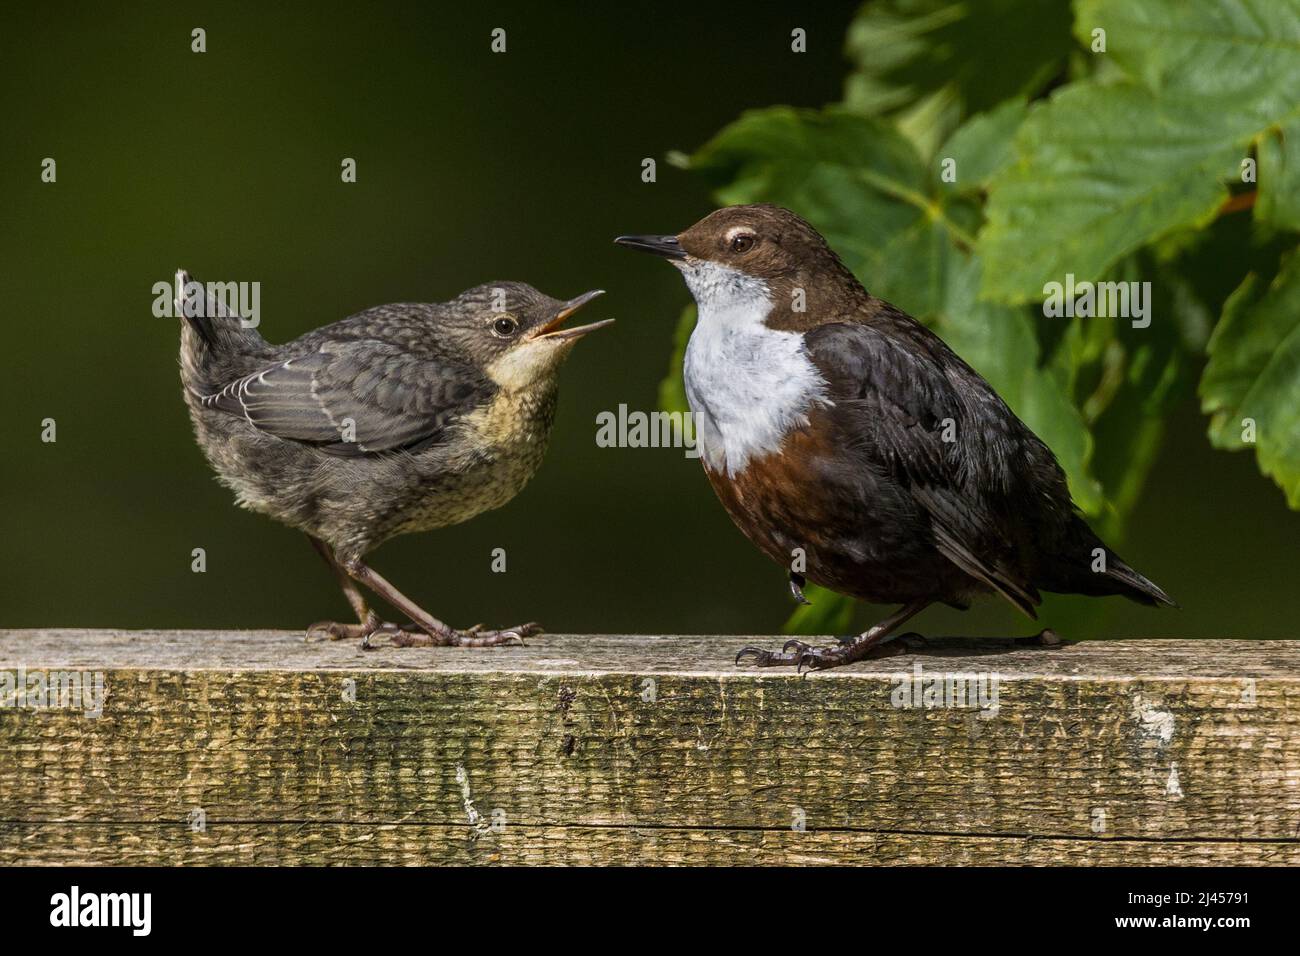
point(737, 246)
point(516, 332)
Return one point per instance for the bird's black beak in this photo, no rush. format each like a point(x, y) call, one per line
point(552, 330)
point(666, 246)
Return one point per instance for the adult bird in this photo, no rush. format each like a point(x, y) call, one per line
point(842, 434)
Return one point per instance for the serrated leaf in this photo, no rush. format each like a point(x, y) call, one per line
point(1252, 381)
point(1279, 176)
point(1103, 169)
point(982, 146)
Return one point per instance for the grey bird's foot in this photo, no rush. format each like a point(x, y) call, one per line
point(474, 636)
point(364, 632)
point(336, 631)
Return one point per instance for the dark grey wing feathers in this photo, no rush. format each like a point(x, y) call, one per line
point(355, 397)
point(906, 400)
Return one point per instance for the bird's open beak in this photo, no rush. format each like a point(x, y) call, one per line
point(552, 331)
point(666, 246)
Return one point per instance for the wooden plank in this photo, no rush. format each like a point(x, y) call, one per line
point(628, 749)
point(354, 844)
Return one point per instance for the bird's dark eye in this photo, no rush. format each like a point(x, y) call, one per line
point(505, 326)
point(742, 243)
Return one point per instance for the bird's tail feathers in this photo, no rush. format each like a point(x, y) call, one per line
point(1135, 586)
point(215, 323)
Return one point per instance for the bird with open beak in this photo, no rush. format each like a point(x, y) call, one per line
point(401, 418)
point(845, 437)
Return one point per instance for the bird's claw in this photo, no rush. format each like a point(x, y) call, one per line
point(793, 653)
point(411, 635)
point(474, 636)
point(763, 657)
point(338, 631)
point(796, 588)
point(801, 655)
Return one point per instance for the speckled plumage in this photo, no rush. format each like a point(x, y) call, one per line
point(401, 418)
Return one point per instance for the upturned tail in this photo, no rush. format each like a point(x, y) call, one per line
point(219, 329)
point(216, 344)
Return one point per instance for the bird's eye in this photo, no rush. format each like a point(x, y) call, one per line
point(742, 243)
point(505, 326)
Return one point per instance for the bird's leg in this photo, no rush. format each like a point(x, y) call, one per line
point(350, 589)
point(801, 655)
point(368, 622)
point(432, 632)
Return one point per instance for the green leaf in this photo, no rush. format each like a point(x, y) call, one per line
point(1279, 181)
point(929, 63)
point(982, 146)
point(1253, 376)
point(1145, 374)
point(1100, 172)
point(1104, 168)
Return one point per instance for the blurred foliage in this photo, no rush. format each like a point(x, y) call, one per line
point(1117, 164)
point(927, 64)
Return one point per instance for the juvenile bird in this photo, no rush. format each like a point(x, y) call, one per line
point(401, 418)
point(831, 421)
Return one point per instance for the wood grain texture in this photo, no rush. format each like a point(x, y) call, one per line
point(609, 749)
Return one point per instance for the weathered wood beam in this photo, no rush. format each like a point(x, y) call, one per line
point(256, 747)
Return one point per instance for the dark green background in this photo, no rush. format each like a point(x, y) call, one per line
point(472, 167)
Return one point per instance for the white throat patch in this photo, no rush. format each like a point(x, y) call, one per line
point(747, 384)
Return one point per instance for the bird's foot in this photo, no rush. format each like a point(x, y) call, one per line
point(339, 631)
point(859, 647)
point(475, 636)
point(364, 632)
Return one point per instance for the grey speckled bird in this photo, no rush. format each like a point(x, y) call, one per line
point(401, 418)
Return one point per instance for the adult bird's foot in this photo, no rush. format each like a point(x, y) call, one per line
point(868, 644)
point(799, 654)
point(474, 636)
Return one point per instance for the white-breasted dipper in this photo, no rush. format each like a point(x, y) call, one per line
point(401, 418)
point(831, 421)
